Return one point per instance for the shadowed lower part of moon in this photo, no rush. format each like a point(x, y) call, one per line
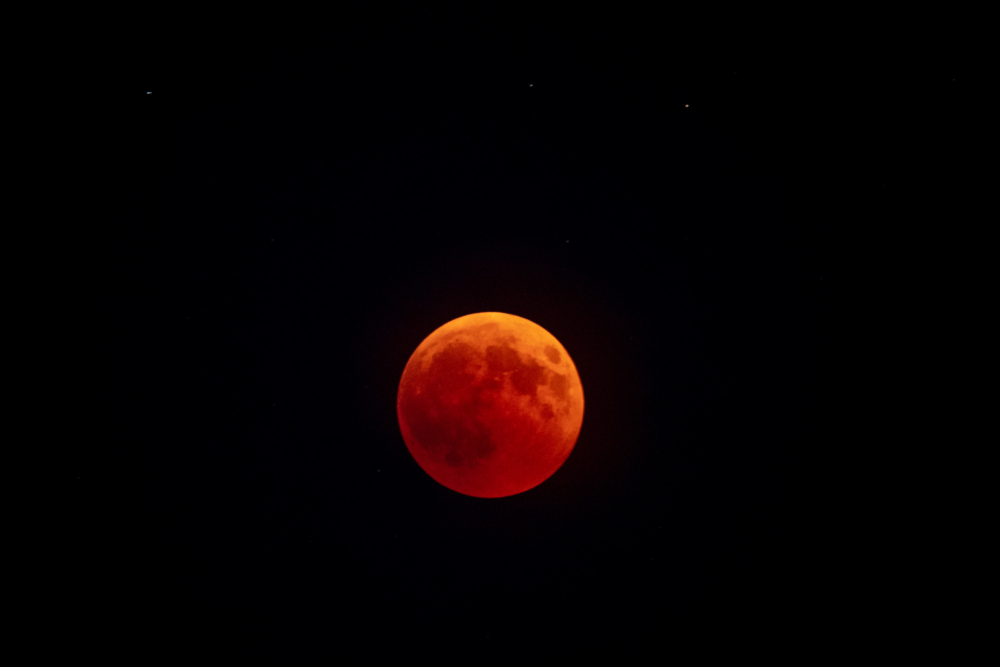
point(490, 405)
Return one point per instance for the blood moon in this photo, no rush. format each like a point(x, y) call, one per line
point(490, 405)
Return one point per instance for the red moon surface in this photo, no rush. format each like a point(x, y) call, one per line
point(490, 405)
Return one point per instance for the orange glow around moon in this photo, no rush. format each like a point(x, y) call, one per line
point(490, 405)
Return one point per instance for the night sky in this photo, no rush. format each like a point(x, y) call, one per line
point(297, 214)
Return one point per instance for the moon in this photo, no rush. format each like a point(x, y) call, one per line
point(490, 405)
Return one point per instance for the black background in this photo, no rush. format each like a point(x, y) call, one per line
point(294, 213)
